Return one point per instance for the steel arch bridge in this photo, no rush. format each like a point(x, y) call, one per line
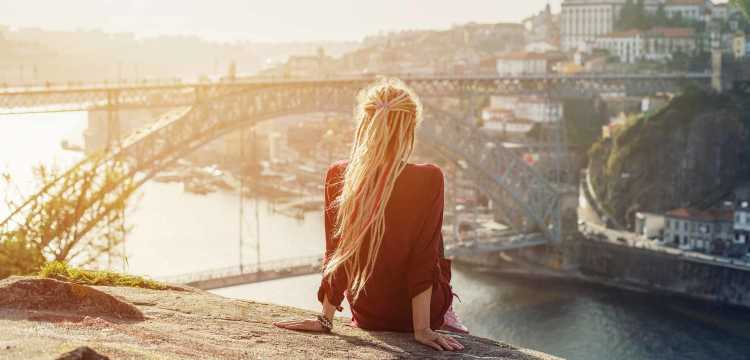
point(207, 111)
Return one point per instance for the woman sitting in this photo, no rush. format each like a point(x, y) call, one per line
point(383, 221)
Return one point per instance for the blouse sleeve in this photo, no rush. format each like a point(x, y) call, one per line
point(425, 251)
point(333, 285)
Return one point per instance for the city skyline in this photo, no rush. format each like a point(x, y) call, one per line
point(234, 20)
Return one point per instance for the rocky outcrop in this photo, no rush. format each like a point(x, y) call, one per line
point(190, 324)
point(693, 152)
point(49, 297)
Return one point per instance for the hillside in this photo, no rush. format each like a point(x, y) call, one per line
point(692, 152)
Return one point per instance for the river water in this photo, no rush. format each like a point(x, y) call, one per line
point(175, 232)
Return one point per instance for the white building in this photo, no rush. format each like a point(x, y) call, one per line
point(531, 108)
point(696, 10)
point(626, 45)
point(583, 21)
point(740, 45)
point(657, 44)
point(540, 47)
point(512, 117)
point(649, 225)
point(522, 63)
point(742, 217)
point(720, 12)
point(699, 230)
point(724, 11)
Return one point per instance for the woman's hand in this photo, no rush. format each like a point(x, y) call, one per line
point(312, 325)
point(436, 340)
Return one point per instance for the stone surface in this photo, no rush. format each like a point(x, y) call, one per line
point(194, 324)
point(48, 296)
point(82, 353)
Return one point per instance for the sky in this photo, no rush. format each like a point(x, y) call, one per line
point(267, 20)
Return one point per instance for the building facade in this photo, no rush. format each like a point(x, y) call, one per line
point(522, 63)
point(742, 216)
point(583, 21)
point(649, 225)
point(531, 108)
point(693, 229)
point(695, 10)
point(740, 45)
point(512, 117)
point(657, 44)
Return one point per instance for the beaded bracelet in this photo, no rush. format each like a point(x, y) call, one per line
point(325, 323)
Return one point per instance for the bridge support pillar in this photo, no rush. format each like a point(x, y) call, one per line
point(113, 122)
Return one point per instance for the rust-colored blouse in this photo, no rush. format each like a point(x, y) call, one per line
point(410, 259)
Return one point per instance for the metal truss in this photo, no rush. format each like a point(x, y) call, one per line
point(85, 97)
point(524, 198)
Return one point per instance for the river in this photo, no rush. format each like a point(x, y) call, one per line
point(176, 232)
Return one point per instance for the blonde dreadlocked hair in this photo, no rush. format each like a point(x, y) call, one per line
point(388, 113)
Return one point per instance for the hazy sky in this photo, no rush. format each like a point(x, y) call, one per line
point(274, 20)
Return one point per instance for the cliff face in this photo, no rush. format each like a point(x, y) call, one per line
point(43, 318)
point(693, 152)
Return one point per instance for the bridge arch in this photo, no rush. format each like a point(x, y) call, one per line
point(501, 175)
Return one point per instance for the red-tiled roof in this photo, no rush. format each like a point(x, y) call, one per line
point(686, 2)
point(673, 31)
point(623, 34)
point(700, 215)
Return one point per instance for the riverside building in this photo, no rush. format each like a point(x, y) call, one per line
point(742, 216)
point(692, 229)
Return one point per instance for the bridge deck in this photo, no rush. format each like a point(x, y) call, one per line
point(499, 244)
point(281, 269)
point(248, 274)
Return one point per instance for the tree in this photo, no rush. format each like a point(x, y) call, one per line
point(641, 20)
point(743, 5)
point(80, 218)
point(633, 16)
point(661, 15)
point(627, 16)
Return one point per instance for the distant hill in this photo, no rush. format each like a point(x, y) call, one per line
point(692, 152)
point(36, 55)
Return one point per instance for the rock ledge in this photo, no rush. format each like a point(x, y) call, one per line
point(133, 323)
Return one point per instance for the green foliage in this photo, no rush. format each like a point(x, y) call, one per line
point(584, 119)
point(743, 5)
point(633, 15)
point(19, 257)
point(62, 271)
point(78, 216)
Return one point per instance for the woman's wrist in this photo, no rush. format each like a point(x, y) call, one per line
point(326, 323)
point(422, 330)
